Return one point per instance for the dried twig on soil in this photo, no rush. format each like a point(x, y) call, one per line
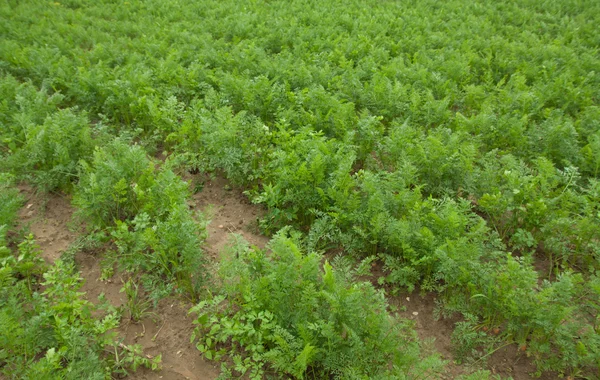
point(156, 335)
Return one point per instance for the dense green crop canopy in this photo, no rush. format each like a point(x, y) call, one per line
point(455, 143)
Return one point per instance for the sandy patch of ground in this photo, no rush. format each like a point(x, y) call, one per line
point(230, 212)
point(47, 217)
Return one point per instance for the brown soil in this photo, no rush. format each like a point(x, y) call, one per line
point(420, 309)
point(506, 362)
point(168, 329)
point(47, 217)
point(230, 212)
point(510, 361)
point(93, 286)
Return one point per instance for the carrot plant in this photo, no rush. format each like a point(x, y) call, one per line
point(451, 141)
point(50, 332)
point(145, 211)
point(47, 328)
point(42, 143)
point(287, 313)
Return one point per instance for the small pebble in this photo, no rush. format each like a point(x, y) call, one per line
point(220, 226)
point(415, 313)
point(408, 298)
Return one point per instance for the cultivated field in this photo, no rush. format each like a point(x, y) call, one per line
point(299, 189)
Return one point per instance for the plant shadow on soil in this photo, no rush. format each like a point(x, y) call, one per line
point(167, 331)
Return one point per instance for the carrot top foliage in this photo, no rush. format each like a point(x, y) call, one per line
point(455, 142)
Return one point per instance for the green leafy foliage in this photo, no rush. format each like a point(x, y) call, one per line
point(136, 305)
point(145, 211)
point(48, 330)
point(106, 189)
point(10, 202)
point(42, 143)
point(51, 152)
point(286, 313)
point(456, 142)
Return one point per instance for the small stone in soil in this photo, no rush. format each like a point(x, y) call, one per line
point(415, 313)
